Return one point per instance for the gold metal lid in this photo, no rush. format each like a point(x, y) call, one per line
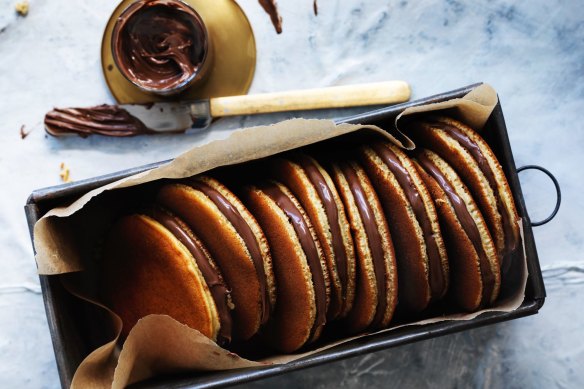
point(231, 72)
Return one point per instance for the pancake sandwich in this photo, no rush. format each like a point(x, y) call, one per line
point(421, 254)
point(299, 266)
point(377, 283)
point(474, 263)
point(474, 161)
point(236, 242)
point(154, 264)
point(316, 192)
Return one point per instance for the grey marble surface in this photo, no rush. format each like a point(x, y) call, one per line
point(532, 52)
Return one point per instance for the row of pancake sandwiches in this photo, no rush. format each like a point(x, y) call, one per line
point(344, 240)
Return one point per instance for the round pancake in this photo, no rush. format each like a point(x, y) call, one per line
point(236, 242)
point(299, 266)
point(474, 267)
point(377, 282)
point(421, 255)
point(477, 165)
point(146, 270)
point(315, 191)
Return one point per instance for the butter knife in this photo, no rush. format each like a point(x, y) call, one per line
point(163, 117)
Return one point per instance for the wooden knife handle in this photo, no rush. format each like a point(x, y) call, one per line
point(389, 92)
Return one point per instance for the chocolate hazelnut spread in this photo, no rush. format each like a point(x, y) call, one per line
point(308, 246)
point(332, 214)
point(103, 119)
point(159, 44)
point(435, 276)
point(467, 222)
point(271, 9)
point(373, 238)
point(244, 230)
point(212, 277)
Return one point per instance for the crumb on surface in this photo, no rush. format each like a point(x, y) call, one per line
point(65, 173)
point(21, 7)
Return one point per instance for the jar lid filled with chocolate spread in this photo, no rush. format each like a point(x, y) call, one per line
point(161, 46)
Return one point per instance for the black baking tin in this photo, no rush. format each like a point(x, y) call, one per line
point(70, 319)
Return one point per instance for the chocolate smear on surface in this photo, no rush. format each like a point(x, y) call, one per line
point(271, 9)
point(104, 119)
point(23, 132)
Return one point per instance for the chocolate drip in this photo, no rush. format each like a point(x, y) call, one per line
point(332, 213)
point(477, 154)
point(109, 120)
point(246, 233)
point(373, 237)
point(272, 9)
point(467, 222)
point(159, 44)
point(308, 246)
point(212, 277)
point(436, 276)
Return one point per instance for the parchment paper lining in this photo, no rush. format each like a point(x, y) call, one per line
point(160, 344)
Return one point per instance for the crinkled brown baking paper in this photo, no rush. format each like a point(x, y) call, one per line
point(158, 343)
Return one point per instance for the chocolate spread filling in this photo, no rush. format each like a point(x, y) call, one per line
point(214, 281)
point(475, 151)
point(435, 276)
point(467, 222)
point(373, 237)
point(159, 44)
point(308, 246)
point(103, 119)
point(246, 233)
point(332, 213)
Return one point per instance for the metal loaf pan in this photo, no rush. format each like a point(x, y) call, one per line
point(72, 322)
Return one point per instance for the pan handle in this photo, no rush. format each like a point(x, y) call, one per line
point(558, 192)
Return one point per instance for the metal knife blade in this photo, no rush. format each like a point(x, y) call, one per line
point(172, 117)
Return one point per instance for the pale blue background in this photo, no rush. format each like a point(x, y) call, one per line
point(532, 52)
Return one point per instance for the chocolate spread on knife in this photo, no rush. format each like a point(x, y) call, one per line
point(246, 233)
point(332, 213)
point(109, 120)
point(159, 44)
point(211, 275)
point(436, 277)
point(373, 238)
point(308, 246)
point(467, 222)
point(475, 151)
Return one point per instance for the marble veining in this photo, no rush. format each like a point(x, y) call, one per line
point(532, 52)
